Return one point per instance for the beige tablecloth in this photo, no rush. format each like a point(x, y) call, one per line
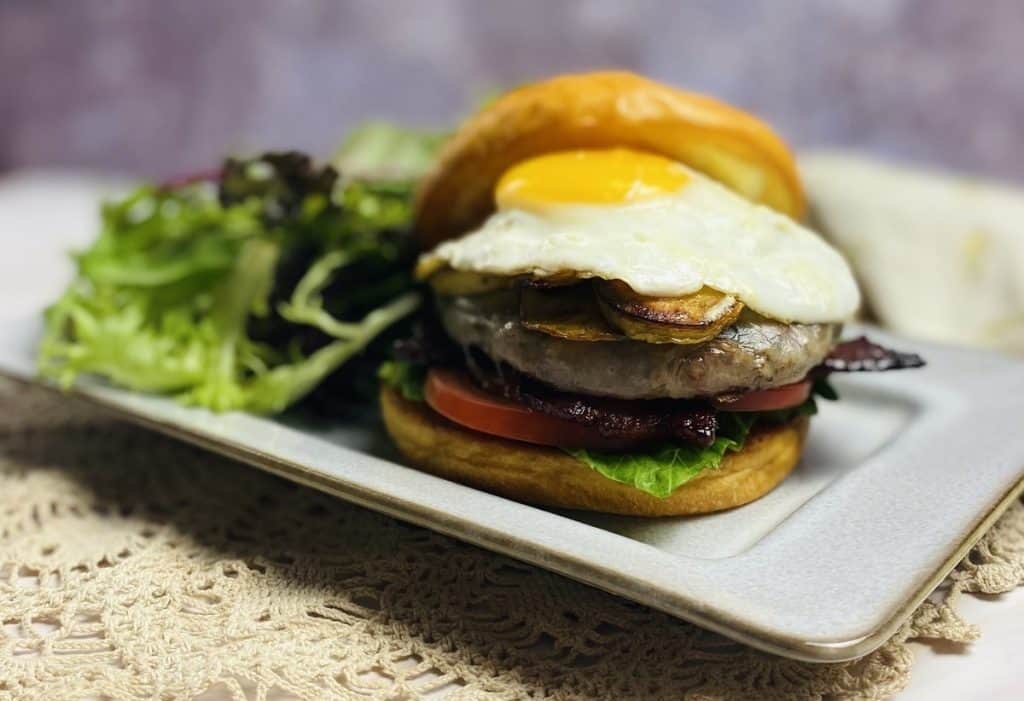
point(136, 567)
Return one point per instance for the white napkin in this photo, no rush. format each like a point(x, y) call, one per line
point(938, 256)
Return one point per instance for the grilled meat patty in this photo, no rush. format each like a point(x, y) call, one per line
point(754, 353)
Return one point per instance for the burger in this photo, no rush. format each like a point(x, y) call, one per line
point(628, 315)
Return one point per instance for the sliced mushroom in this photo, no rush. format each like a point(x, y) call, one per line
point(463, 282)
point(694, 318)
point(565, 312)
point(562, 279)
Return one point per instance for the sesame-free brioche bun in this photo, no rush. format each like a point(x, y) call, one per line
point(551, 477)
point(601, 110)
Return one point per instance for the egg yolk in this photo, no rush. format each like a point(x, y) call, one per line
point(610, 176)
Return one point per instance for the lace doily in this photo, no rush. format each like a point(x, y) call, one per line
point(136, 567)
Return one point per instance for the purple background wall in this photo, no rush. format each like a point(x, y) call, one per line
point(157, 86)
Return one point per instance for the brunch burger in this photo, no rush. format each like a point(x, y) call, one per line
point(629, 316)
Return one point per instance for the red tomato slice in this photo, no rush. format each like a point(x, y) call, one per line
point(452, 395)
point(783, 397)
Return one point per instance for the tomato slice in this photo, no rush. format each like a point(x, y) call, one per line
point(784, 397)
point(452, 395)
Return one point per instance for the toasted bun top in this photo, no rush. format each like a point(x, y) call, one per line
point(601, 110)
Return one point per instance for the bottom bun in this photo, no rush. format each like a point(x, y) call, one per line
point(549, 476)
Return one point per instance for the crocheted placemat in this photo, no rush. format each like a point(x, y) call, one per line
point(136, 567)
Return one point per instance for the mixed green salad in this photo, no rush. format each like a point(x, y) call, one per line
point(248, 287)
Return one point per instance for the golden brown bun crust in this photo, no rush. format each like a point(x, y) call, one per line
point(602, 110)
point(548, 476)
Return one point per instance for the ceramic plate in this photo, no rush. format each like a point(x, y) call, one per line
point(898, 479)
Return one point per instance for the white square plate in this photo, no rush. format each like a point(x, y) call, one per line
point(897, 482)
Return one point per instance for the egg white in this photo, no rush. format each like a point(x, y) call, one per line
point(670, 246)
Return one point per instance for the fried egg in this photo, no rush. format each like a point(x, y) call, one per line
point(661, 227)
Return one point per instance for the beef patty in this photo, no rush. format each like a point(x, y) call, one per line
point(755, 353)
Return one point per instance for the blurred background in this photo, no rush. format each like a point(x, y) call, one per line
point(152, 88)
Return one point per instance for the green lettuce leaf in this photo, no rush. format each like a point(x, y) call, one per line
point(660, 471)
point(406, 377)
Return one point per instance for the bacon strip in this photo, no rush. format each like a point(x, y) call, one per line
point(861, 355)
point(631, 421)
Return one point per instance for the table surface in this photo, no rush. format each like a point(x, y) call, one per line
point(986, 669)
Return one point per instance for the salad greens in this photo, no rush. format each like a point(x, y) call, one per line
point(404, 376)
point(244, 291)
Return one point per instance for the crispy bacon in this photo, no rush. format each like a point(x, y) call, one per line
point(630, 421)
point(861, 355)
